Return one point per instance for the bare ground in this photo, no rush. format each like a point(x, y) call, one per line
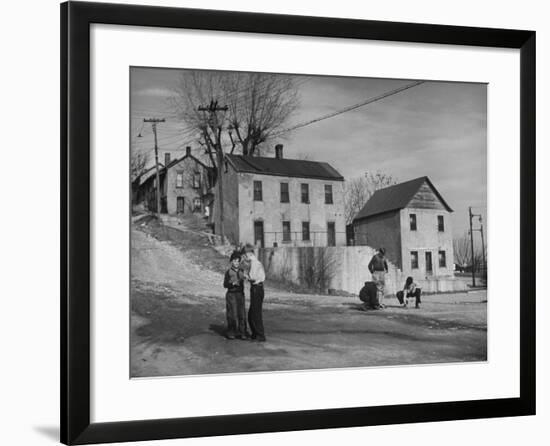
point(178, 318)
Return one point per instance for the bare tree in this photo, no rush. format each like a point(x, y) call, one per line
point(258, 106)
point(138, 161)
point(232, 111)
point(358, 191)
point(463, 253)
point(462, 250)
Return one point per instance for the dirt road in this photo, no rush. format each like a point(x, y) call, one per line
point(178, 322)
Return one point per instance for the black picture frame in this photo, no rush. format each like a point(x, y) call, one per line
point(76, 19)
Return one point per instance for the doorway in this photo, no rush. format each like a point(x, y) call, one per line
point(259, 233)
point(331, 234)
point(429, 263)
point(180, 205)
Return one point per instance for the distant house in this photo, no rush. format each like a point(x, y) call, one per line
point(186, 185)
point(281, 202)
point(144, 186)
point(411, 220)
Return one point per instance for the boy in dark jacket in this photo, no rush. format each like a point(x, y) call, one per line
point(234, 299)
point(368, 295)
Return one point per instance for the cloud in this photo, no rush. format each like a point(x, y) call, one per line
point(155, 91)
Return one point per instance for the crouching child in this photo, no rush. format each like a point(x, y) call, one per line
point(410, 290)
point(369, 296)
point(234, 299)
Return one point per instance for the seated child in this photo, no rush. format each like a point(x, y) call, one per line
point(234, 299)
point(409, 290)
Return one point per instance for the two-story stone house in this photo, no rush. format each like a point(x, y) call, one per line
point(282, 202)
point(411, 220)
point(186, 185)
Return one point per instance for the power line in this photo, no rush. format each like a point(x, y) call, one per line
point(349, 108)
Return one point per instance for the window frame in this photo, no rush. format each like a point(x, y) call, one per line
point(257, 191)
point(304, 190)
point(179, 175)
point(414, 260)
point(412, 218)
point(196, 179)
point(442, 251)
point(328, 187)
point(332, 224)
point(440, 223)
point(306, 224)
point(284, 193)
point(289, 232)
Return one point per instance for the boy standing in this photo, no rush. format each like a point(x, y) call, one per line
point(378, 267)
point(234, 299)
point(256, 276)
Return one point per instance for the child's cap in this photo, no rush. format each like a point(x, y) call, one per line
point(235, 255)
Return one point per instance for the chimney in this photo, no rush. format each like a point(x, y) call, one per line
point(187, 151)
point(279, 151)
point(167, 158)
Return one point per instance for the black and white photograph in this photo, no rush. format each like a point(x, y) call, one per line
point(294, 222)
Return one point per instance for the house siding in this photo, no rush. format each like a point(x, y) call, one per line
point(230, 185)
point(427, 237)
point(382, 230)
point(425, 198)
point(272, 212)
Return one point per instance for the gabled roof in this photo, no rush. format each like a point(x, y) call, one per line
point(177, 160)
point(284, 167)
point(396, 197)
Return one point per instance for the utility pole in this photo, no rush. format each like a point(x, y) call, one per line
point(212, 109)
point(154, 122)
point(480, 229)
point(472, 245)
point(483, 246)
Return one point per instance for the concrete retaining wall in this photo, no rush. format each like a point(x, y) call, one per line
point(342, 268)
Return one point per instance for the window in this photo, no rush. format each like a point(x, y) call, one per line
point(414, 259)
point(412, 222)
point(284, 193)
point(180, 205)
point(331, 233)
point(305, 193)
point(440, 223)
point(305, 231)
point(328, 193)
point(286, 231)
point(442, 259)
point(197, 180)
point(196, 204)
point(179, 179)
point(257, 191)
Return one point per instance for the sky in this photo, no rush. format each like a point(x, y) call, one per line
point(435, 129)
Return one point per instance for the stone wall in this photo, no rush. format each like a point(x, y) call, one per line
point(187, 167)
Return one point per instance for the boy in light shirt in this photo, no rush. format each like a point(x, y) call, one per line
point(256, 276)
